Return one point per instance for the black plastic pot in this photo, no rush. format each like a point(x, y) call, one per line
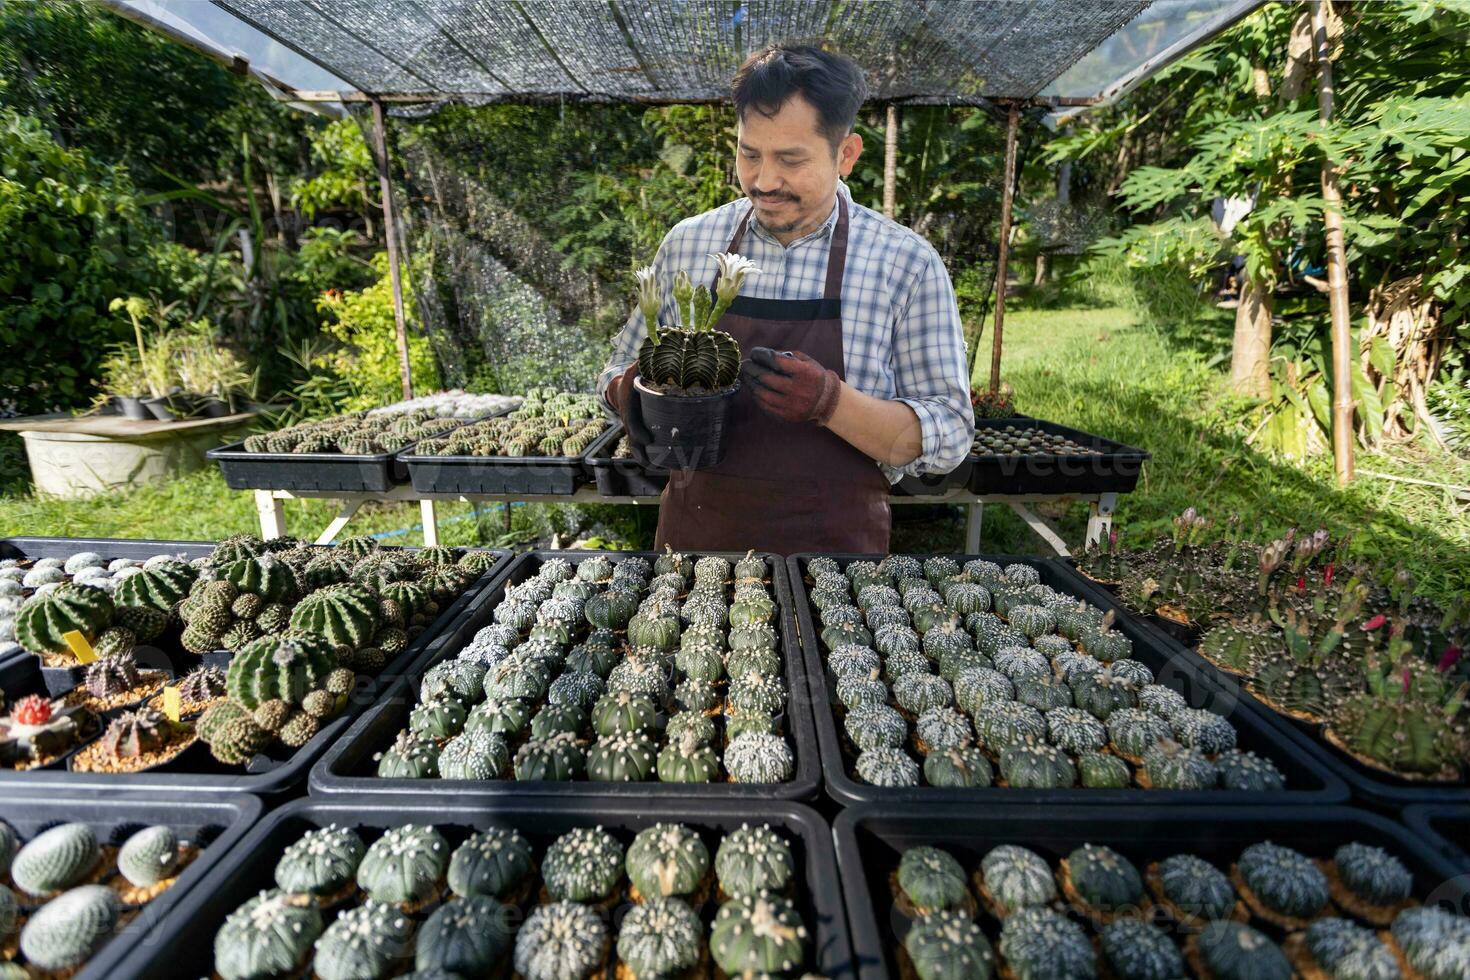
point(195, 771)
point(688, 430)
point(349, 766)
point(218, 822)
point(213, 408)
point(1113, 468)
point(131, 407)
point(1309, 776)
point(1443, 827)
point(1369, 785)
point(160, 408)
point(181, 945)
point(496, 474)
point(621, 477)
point(871, 839)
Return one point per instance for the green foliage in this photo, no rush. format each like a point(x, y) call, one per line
point(363, 323)
point(71, 235)
point(344, 168)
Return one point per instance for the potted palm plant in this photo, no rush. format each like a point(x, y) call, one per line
point(689, 374)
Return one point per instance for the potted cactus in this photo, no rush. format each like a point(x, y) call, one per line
point(688, 375)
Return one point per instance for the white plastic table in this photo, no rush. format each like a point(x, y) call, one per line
point(270, 505)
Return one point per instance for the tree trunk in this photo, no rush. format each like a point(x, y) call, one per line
point(1040, 276)
point(1250, 355)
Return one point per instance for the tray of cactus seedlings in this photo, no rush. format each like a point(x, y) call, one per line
point(252, 716)
point(1073, 893)
point(1026, 455)
point(84, 880)
point(596, 673)
point(355, 453)
point(539, 448)
point(357, 887)
point(617, 473)
point(1445, 827)
point(961, 679)
point(1354, 658)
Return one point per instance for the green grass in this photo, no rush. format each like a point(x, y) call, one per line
point(1100, 371)
point(1095, 369)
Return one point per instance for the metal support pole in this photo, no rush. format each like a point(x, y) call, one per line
point(1337, 288)
point(1013, 123)
point(974, 521)
point(390, 232)
point(890, 163)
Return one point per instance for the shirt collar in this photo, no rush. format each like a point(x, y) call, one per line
point(824, 231)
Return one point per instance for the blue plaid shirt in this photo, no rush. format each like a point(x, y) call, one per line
point(901, 333)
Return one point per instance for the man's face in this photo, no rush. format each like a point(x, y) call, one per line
point(788, 168)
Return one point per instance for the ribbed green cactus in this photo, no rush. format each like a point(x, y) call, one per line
point(1404, 736)
point(279, 668)
point(270, 935)
point(159, 586)
point(265, 576)
point(43, 619)
point(346, 615)
point(136, 733)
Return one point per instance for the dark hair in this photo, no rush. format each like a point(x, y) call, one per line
point(830, 82)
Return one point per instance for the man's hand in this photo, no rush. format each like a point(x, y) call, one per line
point(625, 401)
point(792, 386)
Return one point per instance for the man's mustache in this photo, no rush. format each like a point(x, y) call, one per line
point(774, 197)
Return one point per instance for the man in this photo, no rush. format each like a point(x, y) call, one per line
point(855, 368)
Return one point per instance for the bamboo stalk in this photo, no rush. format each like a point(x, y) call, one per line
point(1013, 123)
point(390, 232)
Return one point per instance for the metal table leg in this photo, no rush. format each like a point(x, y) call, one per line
point(272, 513)
point(974, 517)
point(1100, 520)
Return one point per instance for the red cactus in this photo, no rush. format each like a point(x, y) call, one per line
point(33, 710)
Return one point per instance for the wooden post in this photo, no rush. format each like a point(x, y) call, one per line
point(1013, 123)
point(390, 232)
point(1337, 288)
point(890, 163)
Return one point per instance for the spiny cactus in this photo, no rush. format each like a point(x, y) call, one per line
point(270, 935)
point(149, 856)
point(160, 586)
point(283, 668)
point(56, 859)
point(563, 939)
point(66, 931)
point(1281, 884)
point(111, 676)
point(44, 617)
point(583, 865)
point(1038, 942)
point(346, 615)
point(134, 734)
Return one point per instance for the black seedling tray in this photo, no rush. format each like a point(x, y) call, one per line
point(497, 474)
point(621, 477)
point(349, 766)
point(939, 484)
point(1114, 469)
point(871, 839)
point(59, 680)
point(1375, 787)
point(217, 822)
point(181, 946)
point(375, 473)
point(1444, 827)
point(1309, 777)
point(195, 770)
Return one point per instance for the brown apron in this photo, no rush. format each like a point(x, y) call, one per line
point(783, 487)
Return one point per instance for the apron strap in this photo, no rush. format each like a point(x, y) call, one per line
point(836, 257)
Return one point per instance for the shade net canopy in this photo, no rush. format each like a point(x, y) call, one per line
point(958, 52)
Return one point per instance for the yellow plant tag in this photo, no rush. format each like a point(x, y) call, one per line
point(79, 646)
point(173, 705)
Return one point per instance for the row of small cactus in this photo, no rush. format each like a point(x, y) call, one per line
point(360, 433)
point(548, 423)
point(583, 660)
point(1097, 913)
point(589, 901)
point(1315, 635)
point(981, 675)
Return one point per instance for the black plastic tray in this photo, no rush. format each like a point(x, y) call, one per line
point(348, 767)
point(196, 771)
point(870, 840)
point(181, 945)
point(375, 473)
point(1114, 470)
point(221, 821)
point(1372, 786)
point(1444, 827)
point(1308, 776)
point(496, 474)
point(621, 477)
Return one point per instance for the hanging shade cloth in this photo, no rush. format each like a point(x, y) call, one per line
point(1064, 53)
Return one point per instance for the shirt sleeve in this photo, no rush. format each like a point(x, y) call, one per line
point(931, 374)
point(625, 345)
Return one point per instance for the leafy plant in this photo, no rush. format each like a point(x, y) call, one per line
point(344, 168)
